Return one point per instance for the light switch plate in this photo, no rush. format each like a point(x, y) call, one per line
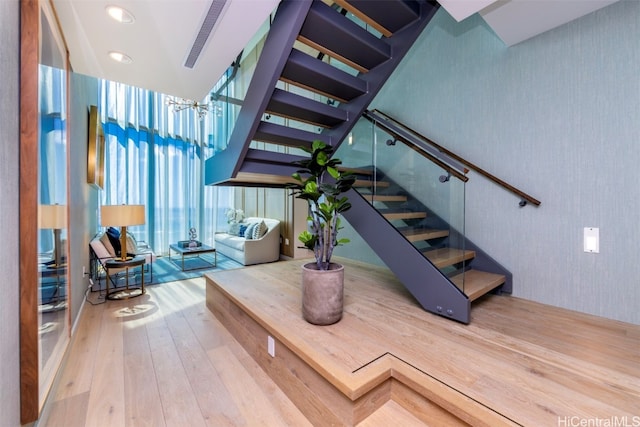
point(592, 240)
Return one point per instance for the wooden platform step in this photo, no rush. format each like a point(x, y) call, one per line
point(475, 283)
point(415, 235)
point(391, 216)
point(445, 257)
point(390, 414)
point(348, 380)
point(497, 371)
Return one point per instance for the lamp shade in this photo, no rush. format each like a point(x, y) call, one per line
point(122, 215)
point(52, 216)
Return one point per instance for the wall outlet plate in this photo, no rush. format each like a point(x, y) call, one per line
point(271, 346)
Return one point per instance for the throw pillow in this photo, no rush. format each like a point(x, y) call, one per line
point(114, 238)
point(248, 233)
point(114, 231)
point(100, 249)
point(243, 229)
point(234, 228)
point(107, 244)
point(260, 230)
point(132, 246)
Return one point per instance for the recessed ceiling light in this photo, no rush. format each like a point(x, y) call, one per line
point(121, 15)
point(123, 58)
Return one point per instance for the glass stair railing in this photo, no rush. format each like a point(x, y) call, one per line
point(422, 195)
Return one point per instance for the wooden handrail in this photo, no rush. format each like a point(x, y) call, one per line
point(525, 198)
point(450, 170)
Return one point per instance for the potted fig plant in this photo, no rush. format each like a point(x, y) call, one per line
point(322, 185)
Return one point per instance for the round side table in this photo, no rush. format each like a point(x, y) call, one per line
point(126, 292)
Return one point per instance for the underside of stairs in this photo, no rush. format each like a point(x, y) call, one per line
point(321, 66)
point(334, 59)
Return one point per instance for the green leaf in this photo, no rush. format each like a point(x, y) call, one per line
point(296, 176)
point(317, 145)
point(307, 239)
point(322, 158)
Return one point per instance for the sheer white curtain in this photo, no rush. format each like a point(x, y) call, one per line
point(155, 157)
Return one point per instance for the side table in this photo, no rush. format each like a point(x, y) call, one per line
point(127, 292)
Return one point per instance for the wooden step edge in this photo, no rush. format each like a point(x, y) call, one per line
point(445, 257)
point(475, 283)
point(302, 119)
point(332, 54)
point(364, 18)
point(415, 235)
point(391, 216)
point(314, 90)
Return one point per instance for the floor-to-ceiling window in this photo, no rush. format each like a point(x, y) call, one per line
point(155, 157)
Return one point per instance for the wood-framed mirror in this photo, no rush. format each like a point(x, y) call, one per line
point(44, 281)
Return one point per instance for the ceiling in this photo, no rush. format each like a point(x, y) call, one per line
point(164, 31)
point(159, 41)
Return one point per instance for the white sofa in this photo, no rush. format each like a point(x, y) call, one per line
point(251, 251)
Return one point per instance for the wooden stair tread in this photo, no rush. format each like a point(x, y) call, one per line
point(367, 183)
point(475, 283)
point(391, 216)
point(444, 257)
point(267, 180)
point(414, 235)
point(384, 198)
point(357, 171)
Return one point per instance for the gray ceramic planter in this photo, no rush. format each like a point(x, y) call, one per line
point(322, 293)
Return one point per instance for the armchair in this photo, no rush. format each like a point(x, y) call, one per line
point(102, 250)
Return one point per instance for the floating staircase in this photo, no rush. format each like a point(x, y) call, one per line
point(321, 65)
point(396, 205)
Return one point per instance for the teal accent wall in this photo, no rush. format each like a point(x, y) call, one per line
point(557, 116)
point(83, 198)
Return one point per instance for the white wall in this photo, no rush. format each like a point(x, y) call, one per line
point(9, 213)
point(558, 117)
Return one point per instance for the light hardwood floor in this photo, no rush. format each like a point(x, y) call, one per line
point(163, 359)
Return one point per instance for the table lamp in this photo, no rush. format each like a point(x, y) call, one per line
point(122, 216)
point(53, 217)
